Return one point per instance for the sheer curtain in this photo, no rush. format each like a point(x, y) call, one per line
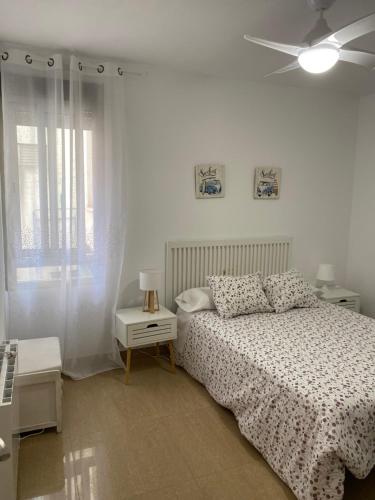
point(64, 181)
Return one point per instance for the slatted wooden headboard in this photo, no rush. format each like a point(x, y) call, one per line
point(189, 262)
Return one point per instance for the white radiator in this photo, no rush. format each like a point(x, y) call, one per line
point(9, 440)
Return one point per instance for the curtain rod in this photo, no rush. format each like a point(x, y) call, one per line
point(29, 59)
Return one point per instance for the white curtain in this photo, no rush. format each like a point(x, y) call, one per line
point(64, 182)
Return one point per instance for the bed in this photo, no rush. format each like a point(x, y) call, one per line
point(300, 383)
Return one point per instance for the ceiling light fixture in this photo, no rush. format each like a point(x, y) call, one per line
point(321, 48)
point(318, 59)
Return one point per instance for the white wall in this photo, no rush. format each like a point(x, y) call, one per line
point(2, 257)
point(177, 120)
point(361, 259)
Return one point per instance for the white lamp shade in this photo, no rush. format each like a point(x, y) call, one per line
point(326, 273)
point(149, 279)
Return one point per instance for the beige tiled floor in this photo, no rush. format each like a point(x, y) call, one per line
point(162, 437)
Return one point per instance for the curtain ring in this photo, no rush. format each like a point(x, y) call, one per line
point(28, 59)
point(120, 71)
point(100, 68)
point(4, 56)
point(51, 62)
point(80, 66)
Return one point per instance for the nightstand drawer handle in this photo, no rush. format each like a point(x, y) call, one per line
point(343, 300)
point(152, 325)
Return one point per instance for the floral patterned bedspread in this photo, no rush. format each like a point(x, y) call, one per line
point(301, 385)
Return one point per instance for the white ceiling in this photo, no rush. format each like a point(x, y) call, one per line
point(203, 36)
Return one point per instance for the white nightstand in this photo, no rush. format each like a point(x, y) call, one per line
point(135, 328)
point(342, 297)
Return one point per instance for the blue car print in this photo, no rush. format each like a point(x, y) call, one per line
point(210, 187)
point(265, 189)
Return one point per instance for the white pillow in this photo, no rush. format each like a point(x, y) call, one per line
point(196, 299)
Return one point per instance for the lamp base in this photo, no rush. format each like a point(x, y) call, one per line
point(326, 288)
point(151, 301)
point(325, 285)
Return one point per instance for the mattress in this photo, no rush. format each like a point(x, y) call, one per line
point(301, 385)
point(183, 326)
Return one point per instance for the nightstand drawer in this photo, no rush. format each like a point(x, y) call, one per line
point(349, 303)
point(151, 331)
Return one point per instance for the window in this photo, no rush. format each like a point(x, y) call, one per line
point(56, 214)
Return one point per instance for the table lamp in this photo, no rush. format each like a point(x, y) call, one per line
point(149, 282)
point(325, 276)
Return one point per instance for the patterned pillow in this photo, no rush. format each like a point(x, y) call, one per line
point(235, 295)
point(287, 290)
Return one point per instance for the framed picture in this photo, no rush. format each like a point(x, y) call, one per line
point(209, 181)
point(267, 183)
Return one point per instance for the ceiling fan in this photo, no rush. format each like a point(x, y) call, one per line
point(322, 47)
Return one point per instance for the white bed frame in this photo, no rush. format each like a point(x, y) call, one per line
point(188, 263)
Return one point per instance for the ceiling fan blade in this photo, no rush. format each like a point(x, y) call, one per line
point(290, 67)
point(293, 50)
point(351, 31)
point(361, 57)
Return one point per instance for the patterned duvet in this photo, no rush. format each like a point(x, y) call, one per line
point(301, 385)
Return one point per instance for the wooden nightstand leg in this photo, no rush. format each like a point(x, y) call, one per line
point(128, 363)
point(171, 356)
point(157, 349)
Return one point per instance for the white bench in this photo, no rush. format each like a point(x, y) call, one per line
point(39, 383)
